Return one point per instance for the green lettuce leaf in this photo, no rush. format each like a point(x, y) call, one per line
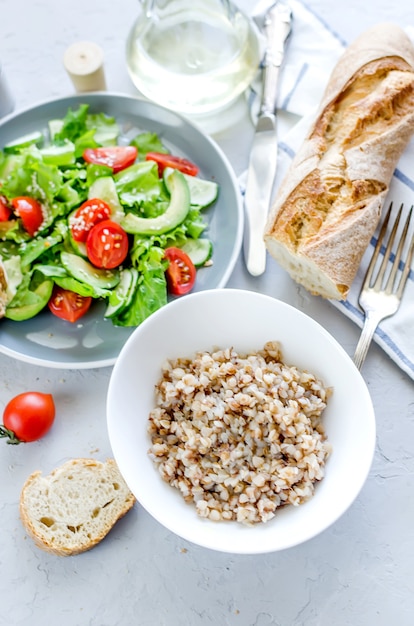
point(32, 177)
point(41, 246)
point(86, 140)
point(106, 129)
point(151, 292)
point(139, 184)
point(148, 142)
point(74, 124)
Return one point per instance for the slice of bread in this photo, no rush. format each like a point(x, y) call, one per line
point(75, 506)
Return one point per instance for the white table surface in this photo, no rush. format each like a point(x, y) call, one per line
point(359, 572)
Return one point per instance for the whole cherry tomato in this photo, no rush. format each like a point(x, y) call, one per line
point(28, 417)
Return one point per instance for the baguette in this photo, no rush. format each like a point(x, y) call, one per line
point(75, 506)
point(330, 201)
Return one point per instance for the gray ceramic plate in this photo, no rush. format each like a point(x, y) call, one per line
point(94, 341)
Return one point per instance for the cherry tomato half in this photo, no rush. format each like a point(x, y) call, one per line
point(28, 417)
point(89, 213)
point(107, 245)
point(116, 157)
point(169, 160)
point(68, 305)
point(5, 210)
point(180, 273)
point(30, 212)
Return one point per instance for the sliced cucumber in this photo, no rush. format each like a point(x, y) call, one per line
point(202, 192)
point(174, 215)
point(77, 246)
point(30, 139)
point(104, 189)
point(121, 296)
point(107, 136)
point(55, 126)
point(63, 154)
point(199, 250)
point(100, 280)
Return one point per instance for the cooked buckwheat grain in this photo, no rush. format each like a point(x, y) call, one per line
point(239, 435)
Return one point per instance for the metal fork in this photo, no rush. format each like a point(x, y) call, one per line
point(381, 294)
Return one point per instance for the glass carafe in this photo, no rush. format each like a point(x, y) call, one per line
point(193, 56)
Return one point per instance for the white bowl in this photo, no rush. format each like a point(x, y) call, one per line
point(246, 321)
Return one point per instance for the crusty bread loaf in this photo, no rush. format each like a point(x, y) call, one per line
point(330, 201)
point(75, 506)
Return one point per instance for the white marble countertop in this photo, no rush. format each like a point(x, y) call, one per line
point(359, 572)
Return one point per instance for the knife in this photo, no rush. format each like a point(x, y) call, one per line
point(263, 156)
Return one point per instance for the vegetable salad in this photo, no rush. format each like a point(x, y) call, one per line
point(83, 217)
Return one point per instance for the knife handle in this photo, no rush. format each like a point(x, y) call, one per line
point(277, 26)
point(270, 82)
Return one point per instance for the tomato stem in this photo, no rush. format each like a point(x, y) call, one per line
point(12, 439)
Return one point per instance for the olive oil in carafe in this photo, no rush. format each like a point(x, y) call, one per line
point(193, 61)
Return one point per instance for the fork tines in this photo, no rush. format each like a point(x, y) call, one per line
point(391, 285)
point(380, 296)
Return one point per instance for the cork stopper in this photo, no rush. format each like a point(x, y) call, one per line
point(83, 62)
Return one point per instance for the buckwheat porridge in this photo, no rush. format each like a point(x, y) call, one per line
point(239, 435)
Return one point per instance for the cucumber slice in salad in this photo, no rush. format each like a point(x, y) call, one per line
point(30, 139)
point(121, 297)
point(202, 192)
point(78, 246)
point(199, 250)
point(100, 280)
point(63, 154)
point(55, 126)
